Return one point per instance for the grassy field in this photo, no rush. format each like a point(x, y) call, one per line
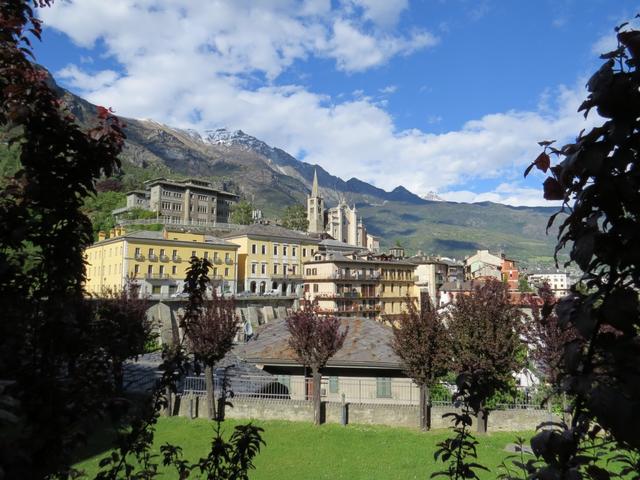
point(297, 450)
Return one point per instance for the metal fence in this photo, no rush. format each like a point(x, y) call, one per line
point(389, 391)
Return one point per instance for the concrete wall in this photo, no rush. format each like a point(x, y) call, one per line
point(360, 413)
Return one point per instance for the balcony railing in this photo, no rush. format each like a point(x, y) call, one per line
point(164, 258)
point(153, 257)
point(355, 275)
point(139, 257)
point(228, 261)
point(176, 258)
point(158, 276)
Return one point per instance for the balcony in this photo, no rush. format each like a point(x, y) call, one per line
point(217, 260)
point(355, 276)
point(164, 258)
point(352, 309)
point(158, 276)
point(176, 258)
point(139, 257)
point(228, 261)
point(153, 257)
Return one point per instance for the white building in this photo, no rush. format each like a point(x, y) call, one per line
point(558, 281)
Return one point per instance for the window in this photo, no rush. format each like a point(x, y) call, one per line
point(275, 268)
point(162, 252)
point(215, 271)
point(226, 272)
point(161, 270)
point(254, 248)
point(174, 254)
point(293, 251)
point(308, 271)
point(136, 269)
point(304, 252)
point(285, 380)
point(137, 252)
point(263, 268)
point(284, 250)
point(150, 270)
point(155, 290)
point(315, 288)
point(206, 255)
point(333, 385)
point(293, 269)
point(172, 289)
point(275, 249)
point(193, 253)
point(383, 387)
point(227, 257)
point(150, 251)
point(253, 267)
point(173, 270)
point(264, 249)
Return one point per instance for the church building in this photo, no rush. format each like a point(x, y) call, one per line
point(342, 222)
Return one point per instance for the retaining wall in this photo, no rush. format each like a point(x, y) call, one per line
point(358, 413)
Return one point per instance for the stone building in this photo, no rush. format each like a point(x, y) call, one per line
point(187, 202)
point(341, 222)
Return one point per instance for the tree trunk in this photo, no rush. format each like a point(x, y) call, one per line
point(317, 378)
point(482, 419)
point(167, 396)
point(425, 408)
point(118, 376)
point(208, 381)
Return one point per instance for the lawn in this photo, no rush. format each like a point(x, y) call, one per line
point(298, 450)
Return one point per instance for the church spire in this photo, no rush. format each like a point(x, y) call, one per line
point(314, 188)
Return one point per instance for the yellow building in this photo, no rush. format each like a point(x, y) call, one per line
point(270, 258)
point(157, 261)
point(352, 286)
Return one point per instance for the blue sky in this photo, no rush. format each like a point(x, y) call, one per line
point(443, 95)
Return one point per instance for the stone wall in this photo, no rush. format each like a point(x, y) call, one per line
point(359, 413)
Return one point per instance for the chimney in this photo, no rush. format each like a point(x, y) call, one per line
point(102, 235)
point(112, 233)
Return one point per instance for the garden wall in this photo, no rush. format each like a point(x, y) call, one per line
point(358, 413)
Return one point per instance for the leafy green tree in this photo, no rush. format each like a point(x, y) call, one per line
point(242, 213)
point(295, 218)
point(98, 208)
point(523, 285)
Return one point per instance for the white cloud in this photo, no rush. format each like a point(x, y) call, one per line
point(508, 193)
point(389, 89)
point(187, 64)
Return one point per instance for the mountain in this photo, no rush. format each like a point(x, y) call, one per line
point(273, 179)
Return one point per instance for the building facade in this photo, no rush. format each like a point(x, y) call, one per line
point(270, 258)
point(341, 222)
point(188, 202)
point(156, 261)
point(350, 286)
point(482, 265)
point(558, 281)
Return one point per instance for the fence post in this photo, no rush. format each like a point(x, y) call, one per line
point(344, 418)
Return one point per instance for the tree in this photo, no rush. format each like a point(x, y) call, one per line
point(523, 285)
point(120, 322)
point(598, 182)
point(485, 329)
point(420, 339)
point(242, 213)
point(315, 339)
point(545, 338)
point(210, 325)
point(295, 218)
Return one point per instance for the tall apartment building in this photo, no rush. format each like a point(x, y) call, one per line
point(190, 202)
point(270, 258)
point(352, 286)
point(157, 261)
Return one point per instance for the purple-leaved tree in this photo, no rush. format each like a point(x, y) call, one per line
point(315, 338)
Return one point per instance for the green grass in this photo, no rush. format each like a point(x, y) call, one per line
point(298, 450)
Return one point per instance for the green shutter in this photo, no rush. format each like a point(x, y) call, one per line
point(333, 384)
point(383, 387)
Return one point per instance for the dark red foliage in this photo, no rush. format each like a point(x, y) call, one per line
point(315, 338)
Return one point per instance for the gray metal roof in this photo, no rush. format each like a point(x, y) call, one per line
point(159, 236)
point(367, 345)
point(262, 230)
